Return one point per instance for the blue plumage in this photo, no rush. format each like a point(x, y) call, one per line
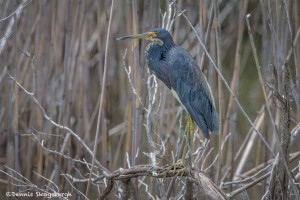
point(176, 68)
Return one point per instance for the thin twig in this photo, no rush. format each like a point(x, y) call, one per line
point(101, 99)
point(11, 23)
point(58, 125)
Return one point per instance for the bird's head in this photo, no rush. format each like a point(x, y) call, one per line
point(159, 35)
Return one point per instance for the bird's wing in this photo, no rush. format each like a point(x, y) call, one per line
point(195, 100)
point(191, 87)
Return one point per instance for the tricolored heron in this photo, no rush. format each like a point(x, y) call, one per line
point(177, 69)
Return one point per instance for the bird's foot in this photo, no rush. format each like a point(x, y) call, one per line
point(179, 168)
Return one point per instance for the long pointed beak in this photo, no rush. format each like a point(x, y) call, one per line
point(147, 36)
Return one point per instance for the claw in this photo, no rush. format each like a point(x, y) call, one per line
point(178, 167)
point(184, 164)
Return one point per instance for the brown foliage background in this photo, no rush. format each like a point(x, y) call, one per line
point(56, 50)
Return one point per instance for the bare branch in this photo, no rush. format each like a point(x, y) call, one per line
point(58, 125)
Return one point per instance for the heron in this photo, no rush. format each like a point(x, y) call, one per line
point(176, 68)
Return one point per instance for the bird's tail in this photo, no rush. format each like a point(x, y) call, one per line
point(215, 122)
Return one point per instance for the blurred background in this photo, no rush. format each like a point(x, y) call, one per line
point(58, 52)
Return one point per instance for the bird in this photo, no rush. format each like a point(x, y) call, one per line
point(176, 68)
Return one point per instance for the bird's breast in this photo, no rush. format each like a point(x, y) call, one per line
point(152, 54)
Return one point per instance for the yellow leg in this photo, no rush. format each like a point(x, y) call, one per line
point(181, 165)
point(188, 141)
point(190, 137)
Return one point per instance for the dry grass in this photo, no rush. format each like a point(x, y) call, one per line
point(77, 107)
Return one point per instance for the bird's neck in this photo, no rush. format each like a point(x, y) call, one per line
point(155, 52)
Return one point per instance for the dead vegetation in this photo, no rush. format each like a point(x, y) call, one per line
point(81, 113)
